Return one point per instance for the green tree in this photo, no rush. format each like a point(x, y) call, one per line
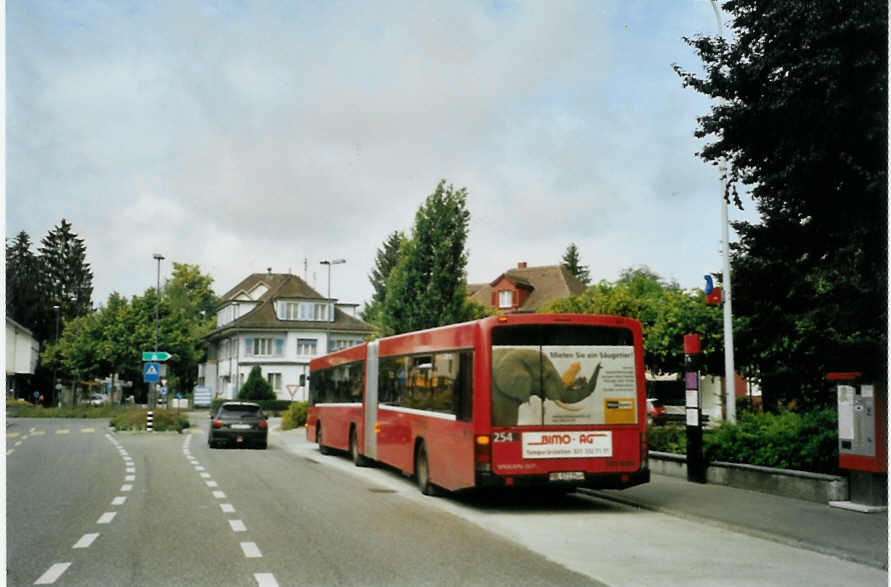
point(801, 118)
point(385, 261)
point(428, 286)
point(26, 302)
point(572, 262)
point(66, 275)
point(256, 388)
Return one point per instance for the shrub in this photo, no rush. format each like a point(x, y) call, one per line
point(671, 439)
point(295, 417)
point(255, 388)
point(787, 440)
point(162, 420)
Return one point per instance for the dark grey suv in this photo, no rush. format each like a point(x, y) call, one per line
point(238, 424)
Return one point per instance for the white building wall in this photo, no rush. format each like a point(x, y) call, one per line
point(22, 350)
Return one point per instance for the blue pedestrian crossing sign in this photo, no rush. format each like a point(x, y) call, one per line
point(151, 372)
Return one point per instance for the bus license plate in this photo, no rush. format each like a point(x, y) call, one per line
point(567, 476)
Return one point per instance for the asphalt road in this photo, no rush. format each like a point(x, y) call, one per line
point(90, 507)
point(195, 516)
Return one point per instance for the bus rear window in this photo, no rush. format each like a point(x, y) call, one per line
point(547, 375)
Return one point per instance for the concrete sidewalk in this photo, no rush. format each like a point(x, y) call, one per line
point(862, 538)
point(853, 536)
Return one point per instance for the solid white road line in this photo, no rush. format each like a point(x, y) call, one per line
point(106, 518)
point(237, 526)
point(86, 540)
point(265, 580)
point(227, 508)
point(119, 500)
point(250, 550)
point(53, 573)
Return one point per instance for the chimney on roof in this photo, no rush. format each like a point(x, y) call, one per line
point(269, 270)
point(521, 265)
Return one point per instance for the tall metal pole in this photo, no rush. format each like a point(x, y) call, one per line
point(158, 257)
point(729, 369)
point(330, 317)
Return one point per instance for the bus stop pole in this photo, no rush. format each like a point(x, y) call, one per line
point(695, 459)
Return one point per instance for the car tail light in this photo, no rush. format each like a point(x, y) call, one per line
point(262, 425)
point(217, 423)
point(482, 453)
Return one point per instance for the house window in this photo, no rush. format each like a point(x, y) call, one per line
point(291, 311)
point(275, 381)
point(306, 346)
point(262, 347)
point(505, 299)
point(320, 312)
point(344, 343)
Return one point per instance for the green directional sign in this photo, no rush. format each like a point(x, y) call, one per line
point(155, 356)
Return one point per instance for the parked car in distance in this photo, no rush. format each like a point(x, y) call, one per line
point(655, 412)
point(97, 399)
point(238, 424)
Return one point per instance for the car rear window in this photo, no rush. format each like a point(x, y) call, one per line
point(241, 409)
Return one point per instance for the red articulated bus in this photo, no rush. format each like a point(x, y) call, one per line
point(514, 400)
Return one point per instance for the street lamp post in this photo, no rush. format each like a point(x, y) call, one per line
point(55, 390)
point(729, 369)
point(330, 316)
point(157, 257)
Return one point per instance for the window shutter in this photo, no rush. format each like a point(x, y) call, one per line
point(248, 346)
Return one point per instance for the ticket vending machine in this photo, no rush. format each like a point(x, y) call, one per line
point(862, 441)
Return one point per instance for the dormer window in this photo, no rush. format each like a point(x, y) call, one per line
point(505, 298)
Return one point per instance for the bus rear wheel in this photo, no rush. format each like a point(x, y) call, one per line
point(322, 448)
point(358, 459)
point(422, 473)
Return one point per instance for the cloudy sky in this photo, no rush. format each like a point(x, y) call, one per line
point(244, 135)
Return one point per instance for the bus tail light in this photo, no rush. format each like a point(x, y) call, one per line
point(482, 453)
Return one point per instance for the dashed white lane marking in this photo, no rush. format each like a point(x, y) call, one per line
point(106, 518)
point(199, 468)
point(87, 430)
point(63, 431)
point(18, 443)
point(219, 494)
point(129, 477)
point(250, 550)
point(10, 451)
point(212, 484)
point(227, 508)
point(86, 540)
point(119, 500)
point(52, 574)
point(237, 526)
point(130, 470)
point(265, 580)
point(205, 475)
point(126, 487)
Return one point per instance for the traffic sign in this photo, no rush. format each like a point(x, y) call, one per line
point(151, 372)
point(155, 356)
point(163, 391)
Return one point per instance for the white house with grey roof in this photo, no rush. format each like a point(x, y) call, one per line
point(277, 321)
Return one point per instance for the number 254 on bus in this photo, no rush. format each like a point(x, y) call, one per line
point(515, 400)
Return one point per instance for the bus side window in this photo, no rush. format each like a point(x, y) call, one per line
point(463, 397)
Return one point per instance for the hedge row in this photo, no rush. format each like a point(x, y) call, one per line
point(162, 420)
point(787, 440)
